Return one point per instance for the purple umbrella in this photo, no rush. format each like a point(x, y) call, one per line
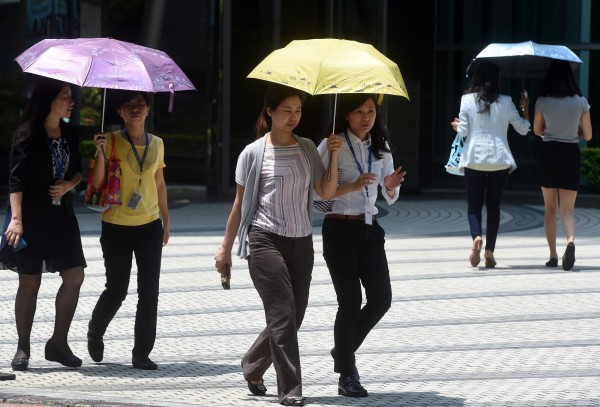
point(105, 63)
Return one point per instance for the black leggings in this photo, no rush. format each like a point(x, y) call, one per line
point(485, 186)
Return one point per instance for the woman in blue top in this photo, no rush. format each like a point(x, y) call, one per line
point(562, 117)
point(272, 215)
point(486, 158)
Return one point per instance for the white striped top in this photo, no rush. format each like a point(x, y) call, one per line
point(283, 191)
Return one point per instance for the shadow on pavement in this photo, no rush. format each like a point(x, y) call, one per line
point(116, 370)
point(399, 399)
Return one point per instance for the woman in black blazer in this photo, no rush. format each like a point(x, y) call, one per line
point(45, 164)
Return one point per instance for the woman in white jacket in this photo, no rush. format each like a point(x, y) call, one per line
point(486, 157)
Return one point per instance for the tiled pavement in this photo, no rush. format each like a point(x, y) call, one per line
point(518, 335)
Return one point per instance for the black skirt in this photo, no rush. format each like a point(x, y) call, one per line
point(53, 240)
point(559, 165)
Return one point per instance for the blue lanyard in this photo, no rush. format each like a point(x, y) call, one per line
point(360, 169)
point(56, 157)
point(137, 156)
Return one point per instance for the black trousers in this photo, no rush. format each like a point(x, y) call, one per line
point(119, 244)
point(355, 255)
point(484, 186)
point(281, 270)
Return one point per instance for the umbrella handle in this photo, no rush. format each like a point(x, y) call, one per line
point(171, 96)
point(332, 132)
point(103, 108)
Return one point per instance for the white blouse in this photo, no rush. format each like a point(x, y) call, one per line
point(353, 203)
point(486, 140)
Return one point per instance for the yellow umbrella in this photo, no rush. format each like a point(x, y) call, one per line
point(331, 66)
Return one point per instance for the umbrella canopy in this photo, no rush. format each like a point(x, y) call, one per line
point(104, 63)
point(331, 66)
point(524, 59)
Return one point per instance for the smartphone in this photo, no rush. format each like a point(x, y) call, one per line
point(226, 278)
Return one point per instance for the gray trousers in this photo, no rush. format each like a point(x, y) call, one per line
point(281, 269)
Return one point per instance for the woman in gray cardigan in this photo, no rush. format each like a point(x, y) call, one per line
point(272, 215)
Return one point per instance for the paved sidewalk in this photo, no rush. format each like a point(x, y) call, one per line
point(517, 335)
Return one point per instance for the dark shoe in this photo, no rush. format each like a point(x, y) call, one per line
point(54, 354)
point(350, 386)
point(568, 259)
point(293, 401)
point(553, 262)
point(256, 389)
point(144, 364)
point(20, 364)
point(7, 376)
point(96, 349)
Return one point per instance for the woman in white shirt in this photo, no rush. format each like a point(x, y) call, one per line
point(353, 240)
point(486, 158)
point(562, 117)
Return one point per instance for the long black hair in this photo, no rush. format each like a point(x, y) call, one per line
point(485, 84)
point(274, 95)
point(32, 120)
point(348, 102)
point(559, 81)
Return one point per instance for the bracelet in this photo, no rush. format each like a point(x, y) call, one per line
point(387, 188)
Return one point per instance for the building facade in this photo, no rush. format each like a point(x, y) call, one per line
point(217, 43)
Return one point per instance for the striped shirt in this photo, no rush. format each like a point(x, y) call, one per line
point(284, 181)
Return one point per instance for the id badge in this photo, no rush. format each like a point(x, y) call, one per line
point(134, 200)
point(368, 214)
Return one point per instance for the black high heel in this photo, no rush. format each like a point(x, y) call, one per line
point(53, 354)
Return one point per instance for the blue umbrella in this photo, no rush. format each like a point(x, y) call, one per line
point(524, 59)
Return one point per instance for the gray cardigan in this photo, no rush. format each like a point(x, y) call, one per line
point(247, 174)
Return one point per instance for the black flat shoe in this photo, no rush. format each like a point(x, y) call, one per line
point(257, 389)
point(568, 259)
point(350, 386)
point(53, 354)
point(96, 349)
point(7, 376)
point(293, 401)
point(553, 262)
point(144, 364)
point(20, 364)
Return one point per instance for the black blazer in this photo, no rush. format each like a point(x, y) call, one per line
point(31, 170)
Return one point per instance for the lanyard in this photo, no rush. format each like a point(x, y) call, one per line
point(56, 157)
point(360, 169)
point(137, 156)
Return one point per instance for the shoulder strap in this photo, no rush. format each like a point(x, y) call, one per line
point(114, 145)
